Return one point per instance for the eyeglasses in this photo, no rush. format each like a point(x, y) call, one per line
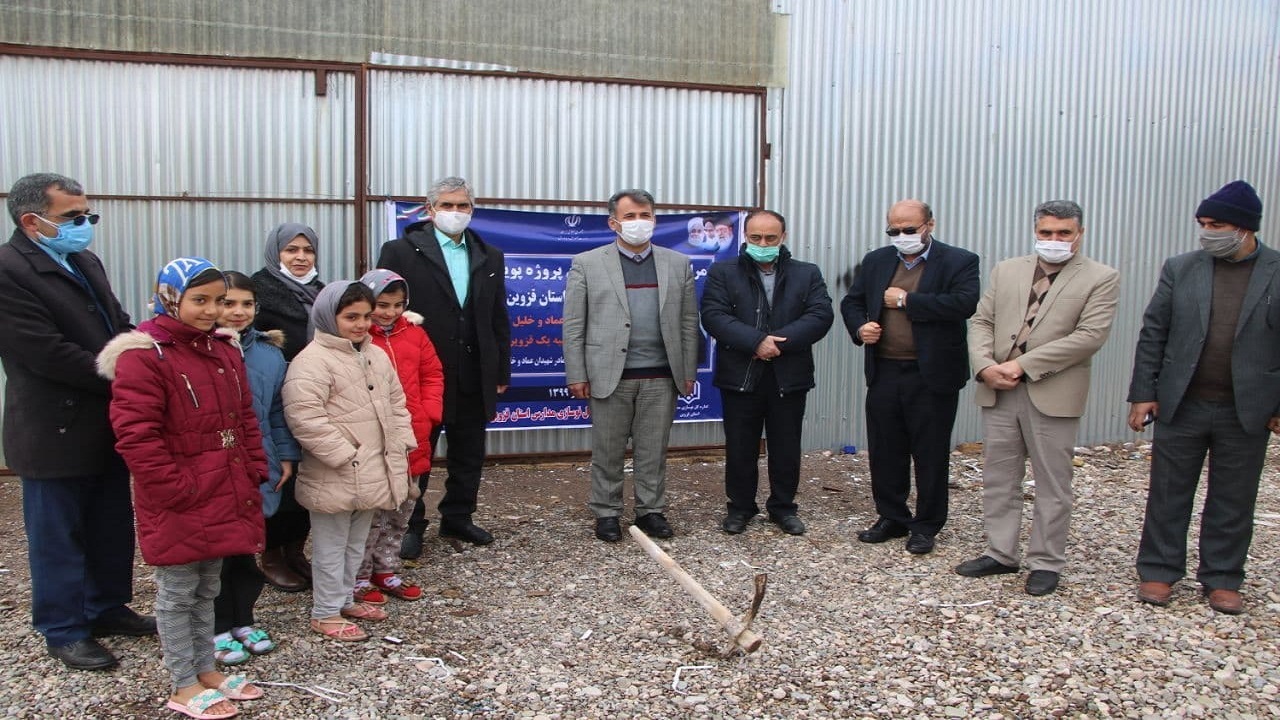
point(895, 232)
point(91, 218)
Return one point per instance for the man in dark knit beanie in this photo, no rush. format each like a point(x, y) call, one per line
point(1203, 379)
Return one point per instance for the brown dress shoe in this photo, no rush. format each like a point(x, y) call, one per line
point(297, 559)
point(1155, 593)
point(277, 571)
point(1225, 601)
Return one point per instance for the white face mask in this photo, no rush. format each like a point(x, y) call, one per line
point(311, 274)
point(636, 232)
point(451, 222)
point(909, 244)
point(1054, 252)
point(1221, 243)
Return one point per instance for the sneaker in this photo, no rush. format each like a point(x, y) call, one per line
point(227, 651)
point(254, 640)
point(395, 586)
point(366, 593)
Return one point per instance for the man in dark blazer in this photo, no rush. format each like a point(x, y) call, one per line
point(457, 283)
point(60, 311)
point(1205, 372)
point(766, 311)
point(907, 307)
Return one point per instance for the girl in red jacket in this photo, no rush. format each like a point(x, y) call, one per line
point(398, 333)
point(183, 418)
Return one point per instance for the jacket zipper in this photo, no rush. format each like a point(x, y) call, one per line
point(191, 390)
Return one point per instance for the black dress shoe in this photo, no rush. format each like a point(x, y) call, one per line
point(411, 546)
point(655, 526)
point(467, 531)
point(735, 523)
point(124, 622)
point(983, 566)
point(1042, 582)
point(883, 530)
point(790, 524)
point(920, 544)
point(608, 530)
point(87, 654)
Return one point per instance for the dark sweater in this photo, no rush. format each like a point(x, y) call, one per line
point(1212, 378)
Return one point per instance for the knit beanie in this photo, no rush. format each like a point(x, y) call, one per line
point(1236, 203)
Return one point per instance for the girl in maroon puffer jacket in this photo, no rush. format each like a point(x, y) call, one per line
point(183, 417)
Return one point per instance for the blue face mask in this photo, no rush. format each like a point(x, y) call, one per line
point(71, 238)
point(762, 253)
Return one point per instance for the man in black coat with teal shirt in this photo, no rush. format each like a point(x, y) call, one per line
point(76, 507)
point(907, 307)
point(457, 282)
point(766, 311)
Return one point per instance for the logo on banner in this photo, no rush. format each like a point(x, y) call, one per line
point(573, 221)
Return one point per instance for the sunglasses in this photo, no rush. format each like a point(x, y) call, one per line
point(91, 218)
point(895, 232)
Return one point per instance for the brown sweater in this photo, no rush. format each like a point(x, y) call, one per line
point(1212, 378)
point(896, 340)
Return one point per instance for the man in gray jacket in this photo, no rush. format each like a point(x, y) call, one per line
point(1204, 373)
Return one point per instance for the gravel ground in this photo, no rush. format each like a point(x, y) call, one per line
point(549, 623)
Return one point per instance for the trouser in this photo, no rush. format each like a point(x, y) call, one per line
point(1014, 429)
point(291, 523)
point(1226, 523)
point(337, 549)
point(781, 416)
point(184, 618)
point(242, 583)
point(464, 456)
point(80, 550)
point(642, 410)
point(908, 422)
point(382, 549)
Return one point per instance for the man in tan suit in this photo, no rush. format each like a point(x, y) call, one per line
point(630, 345)
point(1040, 321)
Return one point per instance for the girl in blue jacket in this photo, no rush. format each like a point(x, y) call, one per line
point(237, 638)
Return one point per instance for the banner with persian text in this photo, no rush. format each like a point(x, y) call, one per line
point(539, 248)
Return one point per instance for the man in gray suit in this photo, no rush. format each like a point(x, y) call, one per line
point(630, 345)
point(1204, 372)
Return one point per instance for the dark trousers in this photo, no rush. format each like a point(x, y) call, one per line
point(291, 523)
point(241, 585)
point(80, 550)
point(1226, 524)
point(908, 422)
point(465, 458)
point(746, 414)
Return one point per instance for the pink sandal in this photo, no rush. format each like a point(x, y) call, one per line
point(198, 706)
point(364, 611)
point(339, 630)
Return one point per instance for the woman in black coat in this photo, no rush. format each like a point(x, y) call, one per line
point(286, 290)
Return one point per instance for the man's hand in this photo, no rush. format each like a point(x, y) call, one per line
point(1004, 376)
point(688, 388)
point(869, 333)
point(287, 469)
point(768, 347)
point(1138, 415)
point(582, 390)
point(1274, 425)
point(502, 388)
point(892, 295)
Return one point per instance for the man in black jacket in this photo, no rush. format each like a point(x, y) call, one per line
point(457, 283)
point(766, 311)
point(75, 488)
point(908, 307)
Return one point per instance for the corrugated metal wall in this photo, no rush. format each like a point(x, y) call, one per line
point(1137, 110)
point(983, 114)
point(710, 41)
